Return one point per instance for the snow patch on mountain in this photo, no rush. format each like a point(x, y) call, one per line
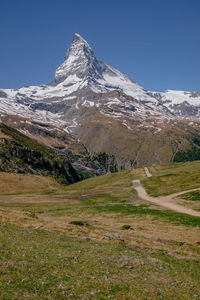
point(173, 97)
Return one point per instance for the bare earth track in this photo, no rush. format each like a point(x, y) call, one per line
point(164, 201)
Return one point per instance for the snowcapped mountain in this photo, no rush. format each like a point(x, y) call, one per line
point(87, 95)
point(78, 81)
point(79, 75)
point(80, 69)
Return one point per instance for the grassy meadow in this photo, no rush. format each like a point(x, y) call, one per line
point(172, 178)
point(59, 242)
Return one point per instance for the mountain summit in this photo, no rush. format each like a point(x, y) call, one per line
point(81, 69)
point(79, 62)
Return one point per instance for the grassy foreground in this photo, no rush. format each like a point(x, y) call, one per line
point(38, 264)
point(51, 244)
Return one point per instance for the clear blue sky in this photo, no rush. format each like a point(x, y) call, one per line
point(155, 42)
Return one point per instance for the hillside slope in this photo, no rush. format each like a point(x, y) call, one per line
point(20, 154)
point(15, 183)
point(65, 145)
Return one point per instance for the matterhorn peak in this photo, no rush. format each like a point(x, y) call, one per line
point(80, 69)
point(79, 61)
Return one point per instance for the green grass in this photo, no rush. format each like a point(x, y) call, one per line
point(165, 215)
point(100, 205)
point(172, 178)
point(38, 264)
point(121, 179)
point(109, 194)
point(192, 196)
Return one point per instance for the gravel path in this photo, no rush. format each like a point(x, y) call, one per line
point(165, 201)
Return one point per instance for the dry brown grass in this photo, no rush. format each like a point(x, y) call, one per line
point(147, 232)
point(11, 183)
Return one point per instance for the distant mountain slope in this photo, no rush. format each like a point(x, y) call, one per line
point(65, 145)
point(20, 154)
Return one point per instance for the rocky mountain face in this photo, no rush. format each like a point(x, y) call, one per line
point(103, 110)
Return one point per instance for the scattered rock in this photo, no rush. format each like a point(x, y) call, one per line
point(79, 223)
point(38, 227)
point(127, 227)
point(61, 286)
point(181, 243)
point(32, 215)
point(92, 293)
point(130, 267)
point(159, 240)
point(106, 277)
point(133, 198)
point(86, 238)
point(9, 282)
point(112, 236)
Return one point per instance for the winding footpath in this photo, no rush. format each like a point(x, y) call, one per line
point(164, 201)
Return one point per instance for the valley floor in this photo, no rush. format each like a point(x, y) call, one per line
point(97, 239)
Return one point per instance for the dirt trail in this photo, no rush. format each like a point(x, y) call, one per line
point(147, 172)
point(165, 201)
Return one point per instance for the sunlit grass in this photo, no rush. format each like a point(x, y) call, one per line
point(172, 178)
